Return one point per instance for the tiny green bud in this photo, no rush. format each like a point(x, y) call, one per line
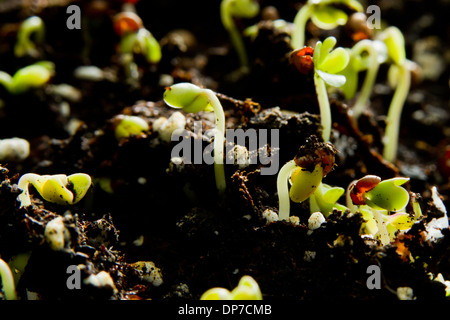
point(24, 45)
point(395, 42)
point(130, 125)
point(247, 289)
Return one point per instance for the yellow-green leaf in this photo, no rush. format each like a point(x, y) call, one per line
point(327, 18)
point(80, 185)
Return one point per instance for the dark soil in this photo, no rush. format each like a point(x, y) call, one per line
point(169, 213)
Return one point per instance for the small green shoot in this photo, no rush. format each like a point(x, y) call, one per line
point(366, 55)
point(400, 77)
point(323, 14)
point(327, 65)
point(58, 188)
point(192, 98)
point(325, 198)
point(135, 39)
point(31, 32)
point(8, 285)
point(305, 173)
point(32, 76)
point(375, 199)
point(247, 289)
point(129, 125)
point(243, 9)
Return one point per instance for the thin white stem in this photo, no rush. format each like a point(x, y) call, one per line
point(394, 113)
point(300, 20)
point(283, 190)
point(384, 235)
point(236, 39)
point(8, 285)
point(219, 168)
point(324, 105)
point(363, 99)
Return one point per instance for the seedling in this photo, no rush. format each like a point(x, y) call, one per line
point(135, 39)
point(8, 285)
point(32, 76)
point(323, 14)
point(129, 125)
point(400, 77)
point(365, 55)
point(59, 188)
point(238, 8)
point(192, 98)
point(375, 199)
point(305, 172)
point(31, 32)
point(327, 64)
point(247, 289)
point(325, 198)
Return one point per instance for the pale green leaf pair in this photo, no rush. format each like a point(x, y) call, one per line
point(327, 17)
point(328, 62)
point(247, 289)
point(388, 195)
point(325, 199)
point(188, 97)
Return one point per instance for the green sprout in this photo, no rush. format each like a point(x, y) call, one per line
point(135, 39)
point(8, 285)
point(366, 55)
point(375, 200)
point(327, 64)
point(58, 188)
point(192, 98)
point(129, 125)
point(32, 76)
point(305, 173)
point(400, 77)
point(31, 31)
point(323, 14)
point(325, 198)
point(247, 289)
point(238, 8)
point(141, 42)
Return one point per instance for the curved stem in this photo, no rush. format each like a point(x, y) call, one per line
point(300, 20)
point(219, 169)
point(8, 285)
point(236, 39)
point(363, 99)
point(283, 190)
point(394, 113)
point(324, 105)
